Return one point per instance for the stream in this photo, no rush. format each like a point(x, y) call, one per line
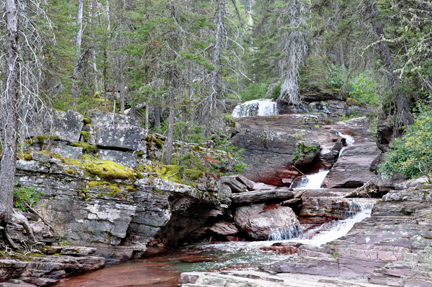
point(164, 270)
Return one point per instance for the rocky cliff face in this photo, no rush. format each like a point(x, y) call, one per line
point(274, 144)
point(94, 194)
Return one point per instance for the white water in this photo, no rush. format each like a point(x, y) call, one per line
point(284, 234)
point(349, 140)
point(265, 107)
point(325, 233)
point(313, 181)
point(335, 229)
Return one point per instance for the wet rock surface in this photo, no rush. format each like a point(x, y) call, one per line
point(260, 221)
point(392, 247)
point(44, 270)
point(273, 144)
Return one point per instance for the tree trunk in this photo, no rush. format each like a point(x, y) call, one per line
point(9, 115)
point(171, 75)
point(399, 96)
point(212, 96)
point(157, 116)
point(93, 46)
point(78, 49)
point(120, 80)
point(147, 116)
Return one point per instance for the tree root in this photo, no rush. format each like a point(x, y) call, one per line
point(40, 216)
point(20, 219)
point(9, 239)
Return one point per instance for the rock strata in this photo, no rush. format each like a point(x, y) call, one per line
point(392, 247)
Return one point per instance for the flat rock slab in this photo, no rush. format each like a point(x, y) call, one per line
point(263, 279)
point(120, 137)
point(47, 270)
point(262, 196)
point(120, 157)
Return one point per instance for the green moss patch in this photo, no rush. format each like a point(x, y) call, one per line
point(157, 142)
point(175, 173)
point(104, 169)
point(85, 146)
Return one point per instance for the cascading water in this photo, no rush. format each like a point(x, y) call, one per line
point(284, 234)
point(349, 140)
point(312, 181)
point(265, 107)
point(335, 229)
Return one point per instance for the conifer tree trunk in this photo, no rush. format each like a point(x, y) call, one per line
point(171, 106)
point(120, 58)
point(92, 44)
point(212, 96)
point(9, 117)
point(78, 48)
point(384, 51)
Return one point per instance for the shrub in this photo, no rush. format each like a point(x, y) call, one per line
point(362, 89)
point(27, 194)
point(411, 155)
point(337, 76)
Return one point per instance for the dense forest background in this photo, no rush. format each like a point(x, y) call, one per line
point(188, 56)
point(175, 63)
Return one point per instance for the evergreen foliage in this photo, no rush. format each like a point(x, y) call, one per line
point(411, 155)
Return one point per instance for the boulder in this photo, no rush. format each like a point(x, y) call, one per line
point(120, 137)
point(120, 157)
point(67, 126)
point(225, 228)
point(260, 221)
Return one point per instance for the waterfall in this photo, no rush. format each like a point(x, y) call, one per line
point(284, 233)
point(349, 140)
point(264, 107)
point(312, 181)
point(335, 229)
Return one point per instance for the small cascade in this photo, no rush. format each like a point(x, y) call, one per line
point(264, 107)
point(349, 140)
point(284, 234)
point(312, 181)
point(335, 229)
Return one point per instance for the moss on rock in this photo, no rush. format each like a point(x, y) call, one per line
point(104, 169)
point(85, 146)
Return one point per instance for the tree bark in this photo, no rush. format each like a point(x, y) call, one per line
point(384, 51)
point(9, 115)
point(78, 48)
point(93, 45)
point(212, 96)
point(120, 58)
point(171, 75)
